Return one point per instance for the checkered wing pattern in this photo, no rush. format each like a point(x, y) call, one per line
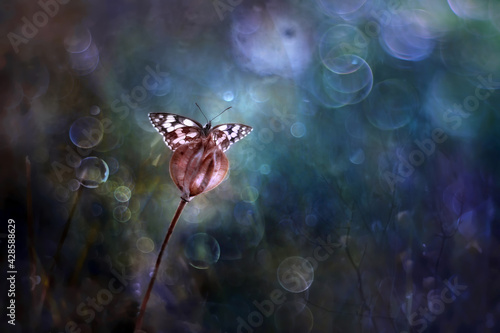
point(176, 130)
point(226, 134)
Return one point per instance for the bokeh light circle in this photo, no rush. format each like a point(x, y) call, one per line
point(92, 172)
point(78, 39)
point(341, 7)
point(392, 104)
point(408, 36)
point(122, 194)
point(73, 185)
point(319, 90)
point(343, 80)
point(295, 274)
point(94, 110)
point(471, 9)
point(246, 21)
point(228, 96)
point(311, 220)
point(84, 63)
point(259, 92)
point(249, 194)
point(349, 75)
point(122, 213)
point(202, 250)
point(340, 40)
point(346, 64)
point(145, 244)
point(298, 130)
point(86, 132)
point(265, 169)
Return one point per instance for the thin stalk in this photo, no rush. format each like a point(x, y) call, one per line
point(140, 317)
point(92, 235)
point(64, 234)
point(49, 281)
point(30, 220)
point(31, 234)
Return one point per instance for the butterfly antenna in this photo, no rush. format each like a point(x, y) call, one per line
point(221, 113)
point(201, 112)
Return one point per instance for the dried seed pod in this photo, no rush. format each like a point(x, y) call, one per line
point(198, 167)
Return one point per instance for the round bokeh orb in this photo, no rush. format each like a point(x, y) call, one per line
point(295, 274)
point(92, 172)
point(122, 194)
point(202, 250)
point(145, 244)
point(340, 40)
point(86, 132)
point(392, 104)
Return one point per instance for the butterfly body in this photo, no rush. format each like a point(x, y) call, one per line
point(199, 163)
point(207, 128)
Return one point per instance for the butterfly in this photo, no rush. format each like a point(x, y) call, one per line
point(178, 130)
point(198, 164)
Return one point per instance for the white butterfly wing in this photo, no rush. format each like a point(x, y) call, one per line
point(176, 130)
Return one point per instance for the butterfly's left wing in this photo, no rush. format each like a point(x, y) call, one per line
point(226, 134)
point(176, 130)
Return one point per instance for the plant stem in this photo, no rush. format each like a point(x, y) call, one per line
point(138, 323)
point(30, 220)
point(64, 234)
point(31, 238)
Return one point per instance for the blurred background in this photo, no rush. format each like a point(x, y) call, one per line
point(365, 199)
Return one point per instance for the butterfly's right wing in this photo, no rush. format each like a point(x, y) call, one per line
point(176, 130)
point(226, 134)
